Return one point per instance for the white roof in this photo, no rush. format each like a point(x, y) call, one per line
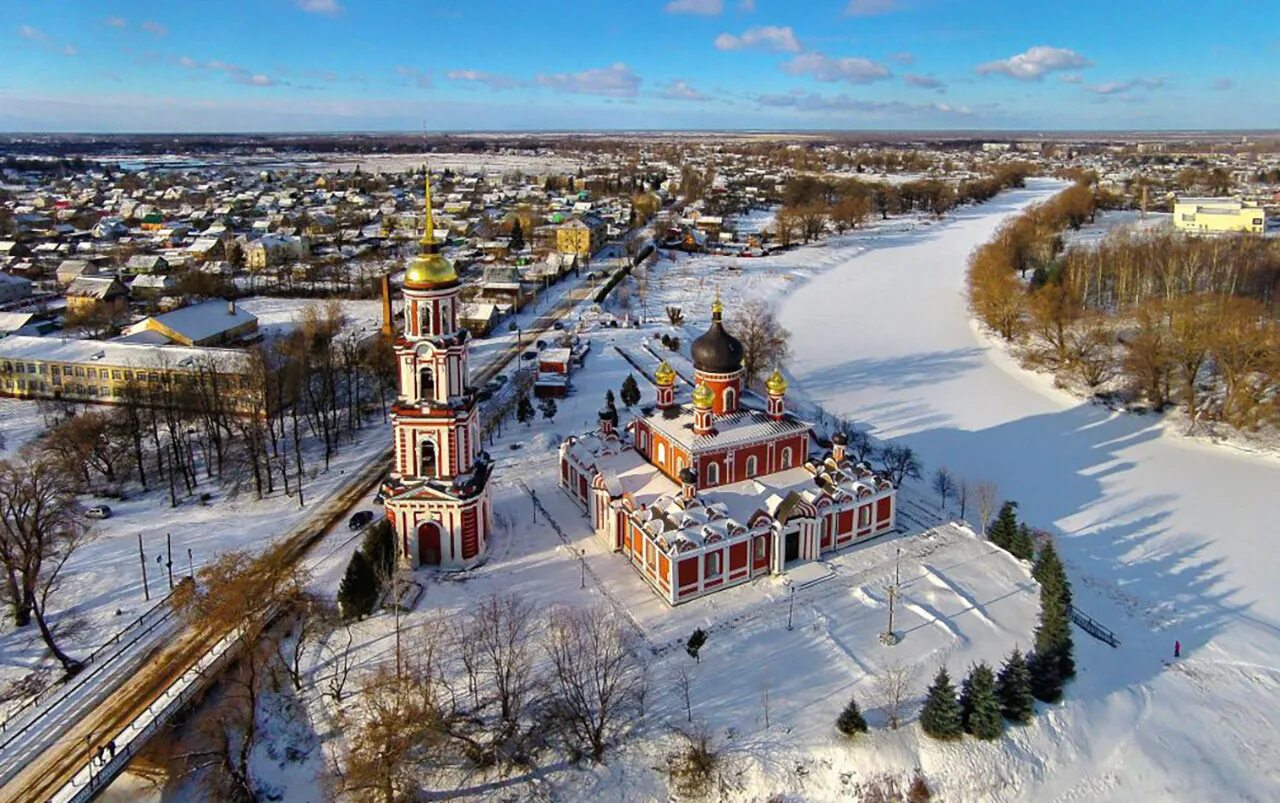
point(108, 352)
point(207, 319)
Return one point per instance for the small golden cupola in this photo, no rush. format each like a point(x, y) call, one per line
point(665, 374)
point(429, 269)
point(703, 396)
point(776, 384)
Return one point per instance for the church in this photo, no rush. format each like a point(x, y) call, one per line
point(712, 492)
point(437, 497)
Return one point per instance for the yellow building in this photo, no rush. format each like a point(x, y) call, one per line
point(1218, 215)
point(581, 236)
point(100, 370)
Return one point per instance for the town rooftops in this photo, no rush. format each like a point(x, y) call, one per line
point(204, 321)
point(108, 352)
point(744, 426)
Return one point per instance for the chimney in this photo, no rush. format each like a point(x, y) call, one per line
point(838, 443)
point(688, 483)
point(386, 304)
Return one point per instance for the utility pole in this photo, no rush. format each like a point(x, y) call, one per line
point(191, 566)
point(395, 592)
point(142, 558)
point(791, 606)
point(168, 539)
point(582, 558)
point(889, 637)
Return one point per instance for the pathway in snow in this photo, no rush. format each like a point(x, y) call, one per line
point(1167, 538)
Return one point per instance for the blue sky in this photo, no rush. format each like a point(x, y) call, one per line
point(320, 65)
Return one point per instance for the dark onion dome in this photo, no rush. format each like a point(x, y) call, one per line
point(609, 414)
point(688, 476)
point(840, 438)
point(716, 351)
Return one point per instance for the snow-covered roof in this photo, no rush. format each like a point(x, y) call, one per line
point(205, 320)
point(110, 352)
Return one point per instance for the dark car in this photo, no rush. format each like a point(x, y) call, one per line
point(360, 519)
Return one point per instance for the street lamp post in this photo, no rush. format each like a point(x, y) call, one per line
point(791, 606)
point(582, 559)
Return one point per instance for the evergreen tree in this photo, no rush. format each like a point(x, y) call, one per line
point(1005, 528)
point(630, 394)
point(609, 403)
point(524, 410)
point(1053, 636)
point(851, 721)
point(358, 592)
point(517, 236)
point(1014, 689)
point(1046, 679)
point(379, 547)
point(940, 716)
point(548, 407)
point(1022, 546)
point(980, 704)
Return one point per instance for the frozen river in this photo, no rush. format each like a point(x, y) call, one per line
point(1166, 538)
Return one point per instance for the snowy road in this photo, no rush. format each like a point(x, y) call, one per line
point(1166, 538)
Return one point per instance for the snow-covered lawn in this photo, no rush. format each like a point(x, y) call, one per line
point(1090, 234)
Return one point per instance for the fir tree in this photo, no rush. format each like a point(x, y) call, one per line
point(517, 236)
point(1022, 546)
point(1046, 679)
point(1014, 689)
point(1053, 636)
point(630, 393)
point(1005, 528)
point(524, 410)
point(379, 547)
point(358, 592)
point(851, 721)
point(940, 716)
point(981, 706)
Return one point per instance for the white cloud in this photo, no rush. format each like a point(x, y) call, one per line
point(155, 28)
point(901, 57)
point(1122, 87)
point(922, 81)
point(115, 22)
point(1221, 84)
point(747, 6)
point(257, 79)
point(1070, 78)
point(681, 90)
point(615, 81)
point(1035, 63)
point(852, 69)
point(867, 8)
point(420, 77)
point(42, 39)
point(705, 7)
point(494, 81)
point(770, 38)
point(842, 103)
point(327, 7)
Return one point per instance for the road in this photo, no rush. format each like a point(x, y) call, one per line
point(67, 735)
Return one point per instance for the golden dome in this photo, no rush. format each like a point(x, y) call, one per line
point(776, 383)
point(665, 374)
point(717, 306)
point(430, 269)
point(703, 396)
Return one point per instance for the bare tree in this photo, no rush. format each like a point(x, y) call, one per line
point(894, 685)
point(962, 496)
point(40, 529)
point(899, 461)
point(595, 675)
point(501, 630)
point(683, 687)
point(336, 654)
point(944, 484)
point(764, 341)
point(305, 618)
point(985, 493)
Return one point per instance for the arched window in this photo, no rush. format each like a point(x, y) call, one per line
point(713, 565)
point(751, 466)
point(424, 318)
point(730, 400)
point(426, 383)
point(761, 545)
point(427, 459)
point(786, 457)
point(662, 453)
point(643, 440)
point(713, 474)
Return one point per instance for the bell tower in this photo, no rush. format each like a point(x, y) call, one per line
point(439, 482)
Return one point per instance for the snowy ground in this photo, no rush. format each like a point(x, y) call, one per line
point(278, 316)
point(1090, 234)
point(1166, 538)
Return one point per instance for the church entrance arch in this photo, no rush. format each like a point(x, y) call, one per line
point(430, 552)
point(792, 546)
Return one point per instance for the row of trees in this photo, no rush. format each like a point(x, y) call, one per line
point(496, 687)
point(1164, 318)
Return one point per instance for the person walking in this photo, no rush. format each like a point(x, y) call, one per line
point(1177, 649)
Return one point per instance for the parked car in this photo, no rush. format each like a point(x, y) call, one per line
point(360, 520)
point(98, 512)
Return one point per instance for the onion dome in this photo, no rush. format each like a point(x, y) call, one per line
point(609, 414)
point(716, 351)
point(776, 383)
point(688, 476)
point(665, 374)
point(840, 438)
point(429, 270)
point(703, 396)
